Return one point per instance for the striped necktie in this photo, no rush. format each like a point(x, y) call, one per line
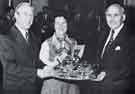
point(27, 36)
point(111, 38)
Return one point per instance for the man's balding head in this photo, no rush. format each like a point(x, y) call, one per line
point(24, 15)
point(117, 6)
point(115, 16)
point(22, 6)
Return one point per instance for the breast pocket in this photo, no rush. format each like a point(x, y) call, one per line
point(117, 49)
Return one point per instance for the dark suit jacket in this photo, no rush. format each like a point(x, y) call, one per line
point(18, 59)
point(1, 77)
point(116, 62)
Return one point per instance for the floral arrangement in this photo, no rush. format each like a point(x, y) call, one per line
point(72, 67)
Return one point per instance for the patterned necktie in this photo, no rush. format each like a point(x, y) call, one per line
point(111, 38)
point(27, 36)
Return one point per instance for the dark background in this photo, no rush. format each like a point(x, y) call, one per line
point(84, 29)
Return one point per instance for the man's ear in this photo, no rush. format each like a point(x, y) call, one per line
point(15, 15)
point(123, 17)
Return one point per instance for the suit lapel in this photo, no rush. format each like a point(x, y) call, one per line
point(102, 41)
point(19, 39)
point(116, 42)
point(120, 37)
point(33, 46)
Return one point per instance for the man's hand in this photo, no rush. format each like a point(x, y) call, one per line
point(100, 76)
point(47, 71)
point(40, 73)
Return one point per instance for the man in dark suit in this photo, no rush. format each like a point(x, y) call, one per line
point(115, 52)
point(19, 54)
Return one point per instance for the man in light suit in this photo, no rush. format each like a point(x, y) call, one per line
point(19, 54)
point(114, 52)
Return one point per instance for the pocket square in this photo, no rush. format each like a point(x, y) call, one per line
point(117, 48)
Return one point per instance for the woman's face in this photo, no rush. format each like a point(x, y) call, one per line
point(60, 26)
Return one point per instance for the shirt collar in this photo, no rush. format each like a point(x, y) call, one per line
point(23, 32)
point(117, 31)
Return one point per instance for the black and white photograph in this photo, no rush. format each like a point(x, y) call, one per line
point(67, 46)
